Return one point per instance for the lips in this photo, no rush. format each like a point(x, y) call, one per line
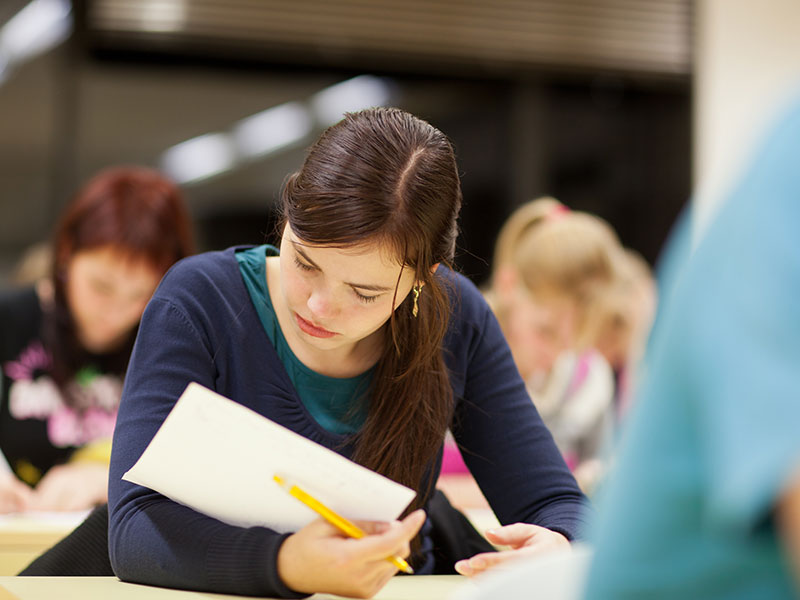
point(311, 329)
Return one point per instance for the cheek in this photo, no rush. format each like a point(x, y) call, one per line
point(295, 288)
point(80, 298)
point(134, 312)
point(529, 327)
point(367, 317)
point(517, 322)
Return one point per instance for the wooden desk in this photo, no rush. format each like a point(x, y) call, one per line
point(419, 587)
point(23, 537)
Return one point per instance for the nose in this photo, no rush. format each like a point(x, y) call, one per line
point(321, 304)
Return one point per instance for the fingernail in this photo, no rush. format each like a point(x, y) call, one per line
point(477, 563)
point(491, 531)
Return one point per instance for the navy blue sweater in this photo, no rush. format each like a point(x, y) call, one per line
point(201, 326)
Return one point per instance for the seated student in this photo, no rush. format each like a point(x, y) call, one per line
point(704, 501)
point(551, 266)
point(359, 303)
point(619, 322)
point(65, 341)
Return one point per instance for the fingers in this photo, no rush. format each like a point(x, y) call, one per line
point(74, 486)
point(15, 496)
point(413, 523)
point(55, 498)
point(50, 493)
point(481, 562)
point(514, 535)
point(374, 527)
point(394, 541)
point(525, 540)
point(319, 558)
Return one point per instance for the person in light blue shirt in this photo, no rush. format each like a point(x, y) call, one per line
point(704, 501)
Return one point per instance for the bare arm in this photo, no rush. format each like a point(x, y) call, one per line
point(788, 519)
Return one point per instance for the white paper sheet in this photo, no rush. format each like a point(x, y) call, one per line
point(219, 458)
point(46, 521)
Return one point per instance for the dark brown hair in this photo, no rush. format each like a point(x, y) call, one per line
point(137, 211)
point(385, 176)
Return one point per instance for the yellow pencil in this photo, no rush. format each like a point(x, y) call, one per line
point(345, 526)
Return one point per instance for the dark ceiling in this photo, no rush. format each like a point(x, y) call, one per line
point(586, 100)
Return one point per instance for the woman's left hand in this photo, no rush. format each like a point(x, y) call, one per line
point(524, 540)
point(70, 487)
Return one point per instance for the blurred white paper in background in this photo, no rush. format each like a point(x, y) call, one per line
point(218, 457)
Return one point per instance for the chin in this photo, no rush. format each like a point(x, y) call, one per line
point(104, 345)
point(99, 347)
point(323, 343)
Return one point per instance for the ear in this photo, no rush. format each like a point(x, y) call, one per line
point(433, 271)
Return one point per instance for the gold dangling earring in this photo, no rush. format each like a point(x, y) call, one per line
point(415, 310)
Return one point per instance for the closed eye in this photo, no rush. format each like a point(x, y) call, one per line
point(363, 298)
point(302, 265)
point(306, 267)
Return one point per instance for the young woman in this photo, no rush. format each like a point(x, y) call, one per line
point(66, 341)
point(553, 269)
point(357, 336)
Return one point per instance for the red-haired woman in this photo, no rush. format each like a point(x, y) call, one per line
point(65, 343)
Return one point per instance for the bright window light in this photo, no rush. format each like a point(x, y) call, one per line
point(364, 91)
point(37, 28)
point(272, 129)
point(5, 66)
point(199, 158)
point(162, 15)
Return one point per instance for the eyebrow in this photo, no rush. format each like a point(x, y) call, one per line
point(361, 286)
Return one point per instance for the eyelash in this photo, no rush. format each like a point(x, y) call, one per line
point(303, 265)
point(362, 297)
point(365, 299)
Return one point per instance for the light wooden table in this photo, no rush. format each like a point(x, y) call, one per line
point(418, 587)
point(23, 537)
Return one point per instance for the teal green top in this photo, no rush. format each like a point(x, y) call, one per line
point(328, 399)
point(712, 441)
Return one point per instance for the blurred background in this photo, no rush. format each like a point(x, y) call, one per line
point(593, 102)
point(586, 101)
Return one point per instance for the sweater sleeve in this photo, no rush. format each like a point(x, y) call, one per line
point(502, 438)
point(153, 540)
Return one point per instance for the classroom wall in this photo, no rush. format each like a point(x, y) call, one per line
point(747, 62)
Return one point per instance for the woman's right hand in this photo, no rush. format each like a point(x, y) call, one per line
point(14, 494)
point(321, 559)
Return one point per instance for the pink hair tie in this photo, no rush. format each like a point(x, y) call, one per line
point(558, 212)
